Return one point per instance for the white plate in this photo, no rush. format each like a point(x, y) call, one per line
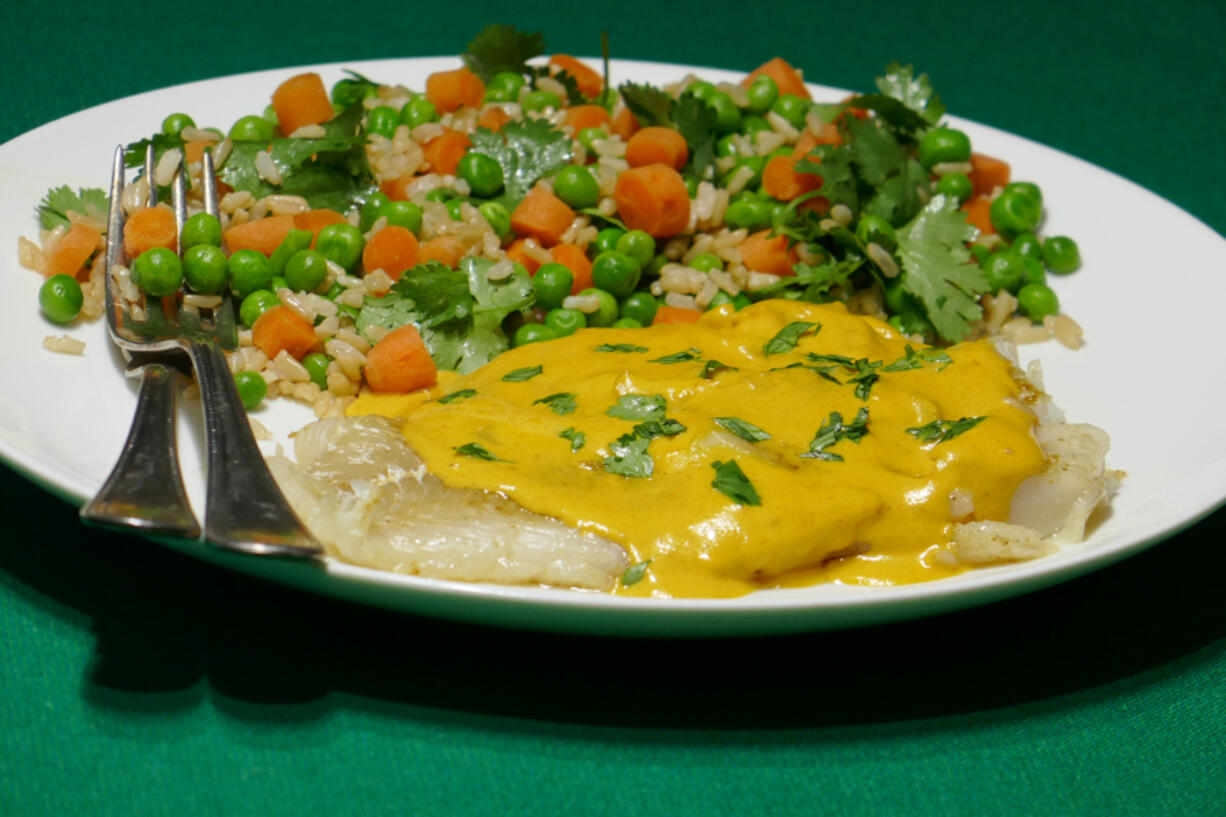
point(1148, 296)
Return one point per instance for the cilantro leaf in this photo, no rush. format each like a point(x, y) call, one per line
point(527, 151)
point(745, 430)
point(714, 367)
point(560, 403)
point(577, 438)
point(664, 427)
point(679, 357)
point(787, 337)
point(521, 375)
point(649, 104)
point(635, 573)
point(477, 451)
point(731, 481)
point(500, 47)
point(638, 407)
point(915, 92)
point(834, 430)
point(619, 347)
point(629, 457)
point(897, 178)
point(462, 394)
point(939, 431)
point(53, 209)
point(353, 89)
point(932, 249)
point(834, 166)
point(696, 121)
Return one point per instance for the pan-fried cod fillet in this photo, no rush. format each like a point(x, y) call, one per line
point(364, 493)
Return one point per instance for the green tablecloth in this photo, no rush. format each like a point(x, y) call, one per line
point(134, 680)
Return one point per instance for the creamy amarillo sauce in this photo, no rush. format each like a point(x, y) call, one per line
point(881, 515)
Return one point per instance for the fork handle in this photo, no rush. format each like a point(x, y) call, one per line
point(244, 511)
point(144, 490)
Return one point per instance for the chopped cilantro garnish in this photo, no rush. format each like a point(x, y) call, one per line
point(714, 367)
point(520, 375)
point(679, 357)
point(638, 407)
point(665, 427)
point(939, 431)
point(745, 430)
point(789, 336)
point(835, 430)
point(731, 481)
point(462, 394)
point(635, 573)
point(932, 248)
point(619, 347)
point(629, 457)
point(577, 438)
point(561, 403)
point(53, 209)
point(912, 359)
point(499, 47)
point(477, 451)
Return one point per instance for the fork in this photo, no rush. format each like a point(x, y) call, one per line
point(244, 509)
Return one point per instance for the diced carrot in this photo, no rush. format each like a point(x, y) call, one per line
point(657, 145)
point(451, 90)
point(590, 83)
point(445, 151)
point(817, 204)
point(446, 249)
point(987, 174)
point(193, 149)
point(676, 314)
point(72, 250)
point(150, 227)
point(398, 189)
point(654, 199)
point(543, 216)
point(493, 118)
point(516, 252)
point(760, 252)
point(828, 135)
point(785, 76)
point(781, 180)
point(263, 235)
point(281, 328)
point(316, 220)
point(301, 100)
point(393, 249)
point(978, 212)
point(575, 259)
point(400, 362)
point(579, 117)
point(625, 124)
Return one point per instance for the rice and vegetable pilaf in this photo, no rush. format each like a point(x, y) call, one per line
point(514, 200)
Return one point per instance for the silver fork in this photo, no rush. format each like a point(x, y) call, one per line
point(244, 509)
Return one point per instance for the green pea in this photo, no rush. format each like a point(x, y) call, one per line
point(565, 321)
point(980, 252)
point(509, 81)
point(496, 215)
point(705, 262)
point(383, 120)
point(626, 323)
point(756, 164)
point(700, 89)
point(1027, 245)
point(498, 95)
point(316, 364)
point(1038, 301)
point(1013, 213)
point(418, 111)
point(294, 241)
point(727, 113)
point(270, 113)
point(897, 300)
point(719, 300)
point(252, 129)
point(691, 184)
point(588, 136)
point(637, 244)
point(540, 100)
point(369, 213)
point(576, 186)
point(607, 239)
point(877, 230)
point(279, 283)
point(956, 186)
point(249, 270)
point(639, 306)
point(255, 304)
point(440, 194)
point(158, 272)
point(944, 145)
point(1035, 274)
point(404, 214)
point(762, 93)
point(726, 146)
point(792, 108)
point(1004, 269)
point(455, 209)
point(607, 311)
point(753, 124)
point(533, 333)
point(60, 297)
point(911, 323)
point(341, 243)
point(252, 389)
point(552, 283)
point(616, 273)
point(176, 122)
point(306, 270)
point(750, 214)
point(1061, 254)
point(1025, 188)
point(202, 228)
point(653, 267)
point(205, 268)
point(483, 173)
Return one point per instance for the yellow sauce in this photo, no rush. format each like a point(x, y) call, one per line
point(881, 515)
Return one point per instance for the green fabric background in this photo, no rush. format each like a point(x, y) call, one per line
point(136, 681)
